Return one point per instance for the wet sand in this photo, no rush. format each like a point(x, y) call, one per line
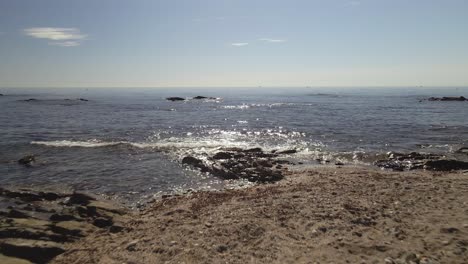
point(315, 215)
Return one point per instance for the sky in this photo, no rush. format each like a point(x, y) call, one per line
point(233, 43)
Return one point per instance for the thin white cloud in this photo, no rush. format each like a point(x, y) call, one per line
point(65, 37)
point(240, 44)
point(272, 40)
point(65, 43)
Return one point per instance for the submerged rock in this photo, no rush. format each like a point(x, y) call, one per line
point(175, 99)
point(27, 160)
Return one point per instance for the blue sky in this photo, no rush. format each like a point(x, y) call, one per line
point(214, 43)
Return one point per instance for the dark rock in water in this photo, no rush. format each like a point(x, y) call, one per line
point(400, 161)
point(30, 100)
point(1, 94)
point(175, 99)
point(27, 160)
point(289, 151)
point(203, 97)
point(49, 196)
point(253, 150)
point(33, 250)
point(460, 98)
point(195, 163)
point(80, 198)
point(83, 100)
point(446, 165)
point(222, 155)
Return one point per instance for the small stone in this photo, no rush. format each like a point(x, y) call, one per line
point(132, 245)
point(222, 248)
point(389, 260)
point(173, 243)
point(208, 224)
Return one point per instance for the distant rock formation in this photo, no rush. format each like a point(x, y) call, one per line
point(461, 98)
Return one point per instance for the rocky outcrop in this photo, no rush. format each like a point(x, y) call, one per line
point(35, 225)
point(252, 164)
point(175, 99)
point(27, 160)
point(415, 160)
point(199, 97)
point(460, 98)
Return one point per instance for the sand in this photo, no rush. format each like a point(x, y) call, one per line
point(316, 215)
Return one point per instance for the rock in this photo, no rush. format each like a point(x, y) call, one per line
point(132, 245)
point(290, 151)
point(253, 150)
point(30, 100)
point(200, 97)
point(49, 196)
point(462, 150)
point(102, 222)
point(222, 155)
point(116, 228)
point(62, 217)
point(175, 99)
point(445, 165)
point(27, 160)
point(194, 162)
point(460, 98)
point(83, 100)
point(33, 250)
point(222, 248)
point(80, 198)
point(12, 260)
point(449, 230)
point(17, 214)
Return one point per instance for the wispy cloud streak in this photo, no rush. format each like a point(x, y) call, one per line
point(65, 37)
point(240, 44)
point(272, 40)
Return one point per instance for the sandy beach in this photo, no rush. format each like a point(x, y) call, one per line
point(324, 214)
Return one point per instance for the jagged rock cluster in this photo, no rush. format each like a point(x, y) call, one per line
point(254, 164)
point(460, 98)
point(415, 160)
point(35, 225)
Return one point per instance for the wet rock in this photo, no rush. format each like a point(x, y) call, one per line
point(30, 100)
point(17, 214)
point(49, 196)
point(33, 250)
point(290, 151)
point(194, 162)
point(445, 165)
point(83, 100)
point(462, 150)
point(222, 155)
point(175, 99)
point(116, 228)
point(27, 160)
point(80, 198)
point(253, 150)
point(102, 222)
point(448, 98)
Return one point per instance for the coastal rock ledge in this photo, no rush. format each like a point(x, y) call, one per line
point(36, 226)
point(254, 164)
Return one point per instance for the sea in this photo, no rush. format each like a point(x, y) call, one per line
point(128, 143)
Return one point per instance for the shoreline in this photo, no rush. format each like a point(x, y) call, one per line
point(315, 215)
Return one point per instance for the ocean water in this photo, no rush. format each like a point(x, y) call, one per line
point(128, 143)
